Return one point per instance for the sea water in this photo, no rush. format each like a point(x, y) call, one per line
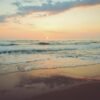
point(26, 55)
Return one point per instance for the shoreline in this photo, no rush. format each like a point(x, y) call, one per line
point(37, 69)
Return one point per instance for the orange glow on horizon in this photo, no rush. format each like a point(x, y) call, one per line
point(77, 23)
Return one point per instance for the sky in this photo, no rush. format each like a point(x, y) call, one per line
point(49, 19)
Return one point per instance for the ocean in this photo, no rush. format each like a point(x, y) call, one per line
point(26, 55)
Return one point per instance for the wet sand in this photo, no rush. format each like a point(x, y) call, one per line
point(73, 83)
point(89, 91)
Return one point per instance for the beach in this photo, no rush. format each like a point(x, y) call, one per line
point(49, 70)
point(52, 84)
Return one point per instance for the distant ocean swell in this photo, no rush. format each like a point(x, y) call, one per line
point(32, 42)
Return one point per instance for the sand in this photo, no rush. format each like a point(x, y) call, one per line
point(89, 91)
point(73, 83)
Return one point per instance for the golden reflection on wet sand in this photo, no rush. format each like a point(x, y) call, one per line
point(91, 71)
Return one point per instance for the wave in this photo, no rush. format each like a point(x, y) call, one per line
point(33, 42)
point(30, 51)
point(20, 68)
point(68, 42)
point(10, 44)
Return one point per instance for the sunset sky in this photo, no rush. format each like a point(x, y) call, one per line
point(49, 19)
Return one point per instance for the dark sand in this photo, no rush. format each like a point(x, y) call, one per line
point(88, 91)
point(28, 87)
point(78, 83)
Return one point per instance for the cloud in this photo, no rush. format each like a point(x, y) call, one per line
point(49, 6)
point(2, 18)
point(28, 1)
point(56, 7)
